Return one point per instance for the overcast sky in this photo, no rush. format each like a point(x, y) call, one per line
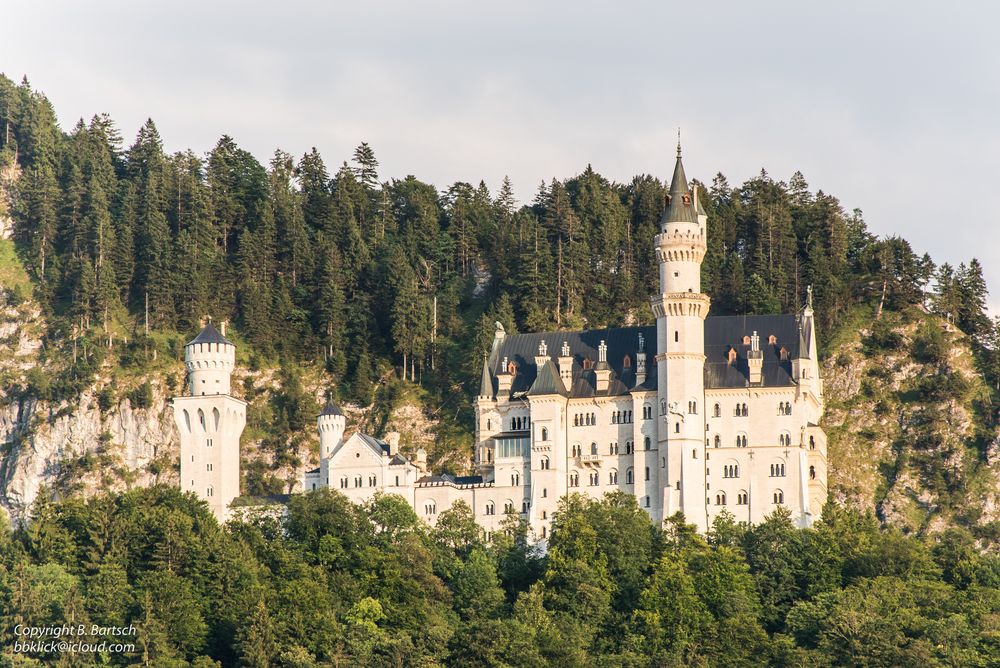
point(894, 107)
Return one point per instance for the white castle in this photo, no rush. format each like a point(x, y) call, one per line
point(698, 414)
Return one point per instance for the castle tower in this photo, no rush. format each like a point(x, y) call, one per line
point(680, 311)
point(210, 422)
point(331, 424)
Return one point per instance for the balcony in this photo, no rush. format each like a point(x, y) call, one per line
point(591, 459)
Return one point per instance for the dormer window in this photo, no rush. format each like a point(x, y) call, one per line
point(627, 362)
point(746, 340)
point(783, 353)
point(588, 363)
point(512, 369)
point(732, 356)
point(772, 340)
point(686, 198)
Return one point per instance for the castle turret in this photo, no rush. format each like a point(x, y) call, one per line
point(680, 310)
point(331, 424)
point(210, 422)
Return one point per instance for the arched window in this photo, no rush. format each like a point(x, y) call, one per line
point(742, 498)
point(574, 479)
point(646, 443)
point(717, 411)
point(647, 473)
point(593, 448)
point(677, 427)
point(629, 477)
point(489, 425)
point(628, 447)
point(745, 412)
point(784, 438)
point(627, 362)
point(210, 491)
point(343, 482)
point(372, 481)
point(718, 441)
point(612, 477)
point(677, 336)
point(524, 506)
point(812, 442)
point(490, 508)
point(577, 450)
point(778, 470)
point(594, 478)
point(812, 472)
point(508, 506)
point(545, 495)
point(693, 407)
point(779, 496)
point(663, 407)
point(731, 470)
point(430, 508)
point(741, 440)
point(545, 433)
point(613, 449)
point(544, 463)
point(515, 479)
point(357, 481)
point(720, 499)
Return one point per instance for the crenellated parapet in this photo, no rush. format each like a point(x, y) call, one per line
point(680, 304)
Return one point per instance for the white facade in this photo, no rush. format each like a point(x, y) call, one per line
point(697, 415)
point(210, 422)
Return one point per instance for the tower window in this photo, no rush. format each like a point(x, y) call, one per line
point(677, 336)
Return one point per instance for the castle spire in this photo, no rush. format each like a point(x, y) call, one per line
point(486, 382)
point(680, 202)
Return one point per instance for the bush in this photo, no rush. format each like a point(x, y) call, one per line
point(142, 396)
point(882, 338)
point(929, 344)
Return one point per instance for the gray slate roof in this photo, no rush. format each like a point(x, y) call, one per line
point(209, 334)
point(331, 409)
point(722, 333)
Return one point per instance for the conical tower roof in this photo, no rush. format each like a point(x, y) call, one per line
point(209, 334)
point(680, 203)
point(331, 409)
point(486, 381)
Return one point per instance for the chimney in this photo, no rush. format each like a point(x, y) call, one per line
point(392, 438)
point(505, 378)
point(640, 362)
point(566, 365)
point(602, 372)
point(543, 355)
point(421, 460)
point(224, 323)
point(755, 360)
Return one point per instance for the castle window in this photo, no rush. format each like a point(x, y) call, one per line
point(663, 407)
point(524, 506)
point(576, 450)
point(694, 453)
point(545, 434)
point(746, 340)
point(543, 532)
point(588, 363)
point(612, 477)
point(343, 482)
point(677, 336)
point(778, 470)
point(785, 439)
point(629, 477)
point(647, 502)
point(627, 362)
point(812, 472)
point(718, 441)
point(677, 427)
point(574, 479)
point(783, 354)
point(647, 412)
point(741, 440)
point(742, 498)
point(397, 481)
point(209, 492)
point(788, 408)
point(489, 425)
point(594, 479)
point(647, 473)
point(208, 467)
point(515, 479)
point(544, 464)
point(576, 420)
point(545, 494)
point(646, 443)
point(372, 481)
point(779, 496)
point(208, 442)
point(512, 369)
point(720, 499)
point(357, 481)
point(593, 448)
point(508, 506)
point(772, 340)
point(731, 356)
point(717, 411)
point(613, 449)
point(693, 407)
point(491, 509)
point(731, 471)
point(430, 508)
point(812, 442)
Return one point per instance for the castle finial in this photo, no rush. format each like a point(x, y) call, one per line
point(678, 141)
point(809, 297)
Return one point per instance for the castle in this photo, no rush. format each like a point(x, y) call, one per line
point(698, 414)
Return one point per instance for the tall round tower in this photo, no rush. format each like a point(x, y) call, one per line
point(331, 423)
point(210, 358)
point(209, 421)
point(681, 309)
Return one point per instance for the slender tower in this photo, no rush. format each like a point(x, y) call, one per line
point(680, 311)
point(210, 422)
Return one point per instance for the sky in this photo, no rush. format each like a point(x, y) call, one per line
point(894, 107)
